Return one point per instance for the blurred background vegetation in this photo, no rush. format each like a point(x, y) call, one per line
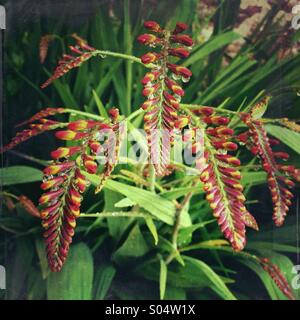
point(243, 50)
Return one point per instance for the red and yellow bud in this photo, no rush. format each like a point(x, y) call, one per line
point(228, 159)
point(80, 181)
point(147, 39)
point(51, 210)
point(183, 39)
point(52, 183)
point(150, 57)
point(95, 146)
point(65, 152)
point(205, 111)
point(226, 145)
point(179, 70)
point(150, 77)
point(180, 27)
point(82, 124)
point(173, 86)
point(216, 120)
point(181, 122)
point(149, 91)
point(89, 164)
point(50, 196)
point(149, 103)
point(58, 167)
point(153, 26)
point(179, 52)
point(69, 135)
point(169, 99)
point(74, 196)
point(114, 113)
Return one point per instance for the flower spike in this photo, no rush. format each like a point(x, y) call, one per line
point(163, 93)
point(82, 51)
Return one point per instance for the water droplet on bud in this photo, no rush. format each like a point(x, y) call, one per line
point(177, 97)
point(175, 76)
point(185, 80)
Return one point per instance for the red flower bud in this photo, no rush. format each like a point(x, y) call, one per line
point(150, 57)
point(179, 52)
point(183, 39)
point(146, 38)
point(152, 25)
point(64, 152)
point(150, 77)
point(114, 113)
point(172, 85)
point(70, 135)
point(181, 122)
point(180, 27)
point(58, 167)
point(50, 196)
point(179, 70)
point(82, 124)
point(281, 155)
point(52, 183)
point(89, 164)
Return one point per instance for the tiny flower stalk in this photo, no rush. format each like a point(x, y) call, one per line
point(163, 94)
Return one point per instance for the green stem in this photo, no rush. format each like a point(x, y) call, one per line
point(115, 214)
point(122, 56)
point(175, 232)
point(134, 114)
point(152, 178)
point(30, 158)
point(189, 107)
point(8, 194)
point(84, 114)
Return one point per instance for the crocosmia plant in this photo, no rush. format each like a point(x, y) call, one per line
point(168, 162)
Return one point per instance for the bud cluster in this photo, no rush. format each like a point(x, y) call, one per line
point(161, 87)
point(221, 179)
point(82, 52)
point(280, 177)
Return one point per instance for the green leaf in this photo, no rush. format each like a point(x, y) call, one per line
point(271, 246)
point(152, 228)
point(75, 280)
point(210, 46)
point(173, 293)
point(123, 203)
point(253, 178)
point(179, 192)
point(195, 274)
point(159, 207)
point(288, 137)
point(100, 105)
point(116, 225)
point(19, 269)
point(103, 280)
point(19, 174)
point(41, 252)
point(162, 279)
point(185, 234)
point(217, 283)
point(134, 246)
